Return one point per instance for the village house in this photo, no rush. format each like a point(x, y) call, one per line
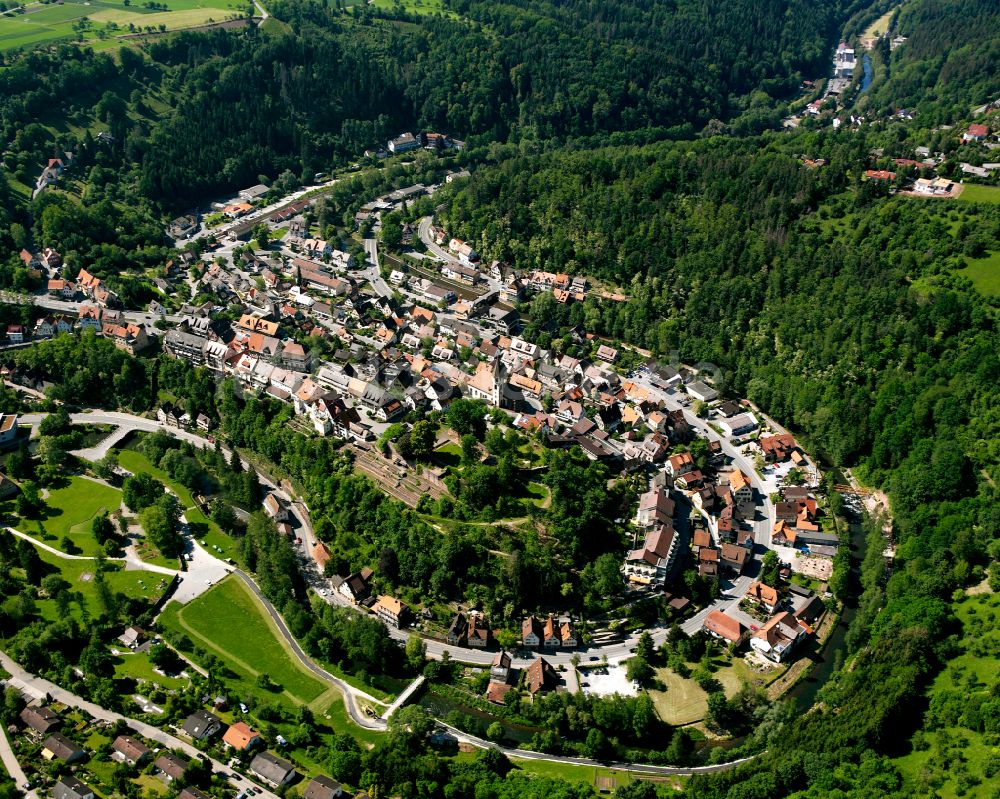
point(719, 625)
point(740, 487)
point(778, 637)
point(58, 747)
point(69, 787)
point(129, 750)
point(391, 611)
point(8, 429)
point(322, 787)
point(355, 587)
point(764, 595)
point(975, 133)
point(170, 767)
point(240, 736)
point(777, 448)
point(540, 676)
point(272, 769)
point(201, 726)
point(41, 719)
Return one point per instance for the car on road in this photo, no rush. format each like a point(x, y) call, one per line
point(208, 582)
point(594, 657)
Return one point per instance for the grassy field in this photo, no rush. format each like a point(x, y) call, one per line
point(69, 512)
point(879, 26)
point(40, 24)
point(984, 274)
point(80, 575)
point(136, 665)
point(231, 623)
point(203, 528)
point(979, 194)
point(422, 7)
point(685, 702)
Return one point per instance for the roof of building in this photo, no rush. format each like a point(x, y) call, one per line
point(723, 625)
point(240, 735)
point(322, 787)
point(271, 767)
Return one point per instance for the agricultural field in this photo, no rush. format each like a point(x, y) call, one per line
point(68, 514)
point(103, 21)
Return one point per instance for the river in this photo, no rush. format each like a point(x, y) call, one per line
point(805, 690)
point(869, 73)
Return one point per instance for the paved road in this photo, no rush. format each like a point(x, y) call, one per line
point(373, 273)
point(638, 768)
point(39, 687)
point(43, 300)
point(424, 231)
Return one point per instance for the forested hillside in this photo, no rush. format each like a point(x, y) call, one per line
point(202, 112)
point(836, 309)
point(949, 61)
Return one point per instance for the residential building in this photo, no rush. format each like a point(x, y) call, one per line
point(458, 630)
point(202, 726)
point(8, 429)
point(777, 448)
point(763, 594)
point(391, 611)
point(778, 637)
point(322, 787)
point(355, 586)
point(272, 769)
point(192, 793)
point(478, 635)
point(734, 557)
point(70, 787)
point(976, 132)
point(403, 143)
point(531, 632)
point(540, 676)
point(241, 736)
point(650, 564)
point(41, 718)
point(655, 507)
point(171, 766)
point(719, 625)
point(129, 750)
point(740, 487)
point(58, 747)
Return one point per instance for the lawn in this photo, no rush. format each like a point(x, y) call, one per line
point(684, 701)
point(80, 575)
point(228, 621)
point(202, 528)
point(984, 274)
point(136, 462)
point(136, 666)
point(69, 512)
point(538, 493)
point(448, 455)
point(972, 193)
point(40, 24)
point(879, 26)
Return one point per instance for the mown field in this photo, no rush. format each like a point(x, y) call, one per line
point(979, 194)
point(101, 21)
point(69, 512)
point(229, 622)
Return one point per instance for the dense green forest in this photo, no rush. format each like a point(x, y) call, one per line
point(196, 113)
point(948, 63)
point(838, 309)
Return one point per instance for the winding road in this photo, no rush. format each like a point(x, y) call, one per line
point(354, 696)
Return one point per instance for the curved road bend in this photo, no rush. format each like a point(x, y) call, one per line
point(39, 686)
point(350, 693)
point(435, 649)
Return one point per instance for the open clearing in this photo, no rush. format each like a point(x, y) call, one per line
point(972, 193)
point(984, 274)
point(231, 624)
point(69, 512)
